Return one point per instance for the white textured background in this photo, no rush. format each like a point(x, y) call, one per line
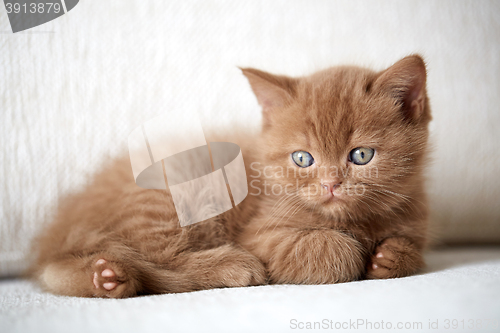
point(73, 89)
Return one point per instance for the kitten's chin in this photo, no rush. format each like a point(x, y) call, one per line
point(331, 199)
point(331, 204)
point(335, 206)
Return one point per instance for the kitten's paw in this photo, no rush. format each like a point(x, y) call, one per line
point(110, 280)
point(248, 271)
point(228, 266)
point(316, 257)
point(394, 257)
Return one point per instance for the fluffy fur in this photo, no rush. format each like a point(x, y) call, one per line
point(334, 221)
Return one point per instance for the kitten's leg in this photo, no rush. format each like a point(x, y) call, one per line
point(223, 266)
point(310, 256)
point(97, 275)
point(108, 275)
point(394, 257)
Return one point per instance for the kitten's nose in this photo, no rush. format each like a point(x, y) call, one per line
point(330, 186)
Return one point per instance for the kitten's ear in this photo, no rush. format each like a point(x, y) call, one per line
point(272, 91)
point(405, 81)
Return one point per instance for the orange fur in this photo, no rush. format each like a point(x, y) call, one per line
point(298, 237)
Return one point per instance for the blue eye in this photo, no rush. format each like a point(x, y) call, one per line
point(361, 156)
point(302, 158)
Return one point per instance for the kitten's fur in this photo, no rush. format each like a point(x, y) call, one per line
point(116, 239)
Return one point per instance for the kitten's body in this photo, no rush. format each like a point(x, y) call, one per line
point(117, 240)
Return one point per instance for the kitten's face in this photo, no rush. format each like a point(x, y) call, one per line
point(344, 145)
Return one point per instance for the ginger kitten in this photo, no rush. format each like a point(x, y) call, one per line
point(336, 194)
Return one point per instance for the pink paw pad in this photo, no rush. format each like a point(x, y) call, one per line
point(109, 285)
point(95, 280)
point(107, 274)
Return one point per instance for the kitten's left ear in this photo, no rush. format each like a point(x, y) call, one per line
point(405, 81)
point(272, 91)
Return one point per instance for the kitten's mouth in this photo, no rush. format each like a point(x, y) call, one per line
point(330, 197)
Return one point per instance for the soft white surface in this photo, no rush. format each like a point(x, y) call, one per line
point(459, 284)
point(73, 89)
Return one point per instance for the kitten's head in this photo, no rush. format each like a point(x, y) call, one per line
point(345, 141)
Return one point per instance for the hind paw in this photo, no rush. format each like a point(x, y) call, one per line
point(109, 279)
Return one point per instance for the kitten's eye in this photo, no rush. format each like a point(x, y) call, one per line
point(361, 156)
point(302, 158)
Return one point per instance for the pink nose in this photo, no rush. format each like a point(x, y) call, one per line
point(330, 186)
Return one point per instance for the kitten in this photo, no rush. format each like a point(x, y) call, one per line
point(353, 143)
point(335, 194)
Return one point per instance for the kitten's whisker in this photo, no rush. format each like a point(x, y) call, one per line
point(298, 207)
point(283, 202)
point(268, 222)
point(284, 205)
point(406, 199)
point(285, 213)
point(304, 204)
point(278, 205)
point(366, 204)
point(372, 198)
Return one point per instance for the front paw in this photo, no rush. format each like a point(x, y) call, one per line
point(315, 257)
point(394, 257)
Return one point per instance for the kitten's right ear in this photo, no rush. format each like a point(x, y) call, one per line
point(405, 82)
point(272, 91)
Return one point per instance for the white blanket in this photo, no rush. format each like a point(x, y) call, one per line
point(460, 287)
